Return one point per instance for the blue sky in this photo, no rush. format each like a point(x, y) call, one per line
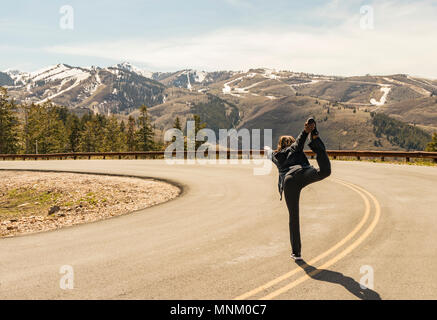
point(311, 36)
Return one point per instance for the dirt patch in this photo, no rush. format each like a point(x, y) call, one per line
point(39, 201)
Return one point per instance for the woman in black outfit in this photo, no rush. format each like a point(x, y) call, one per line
point(295, 172)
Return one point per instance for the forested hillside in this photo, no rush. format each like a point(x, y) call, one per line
point(406, 136)
point(48, 128)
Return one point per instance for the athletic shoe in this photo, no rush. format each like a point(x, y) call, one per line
point(314, 132)
point(296, 257)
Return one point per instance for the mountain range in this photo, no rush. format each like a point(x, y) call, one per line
point(256, 98)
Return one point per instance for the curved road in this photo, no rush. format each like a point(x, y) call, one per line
point(226, 237)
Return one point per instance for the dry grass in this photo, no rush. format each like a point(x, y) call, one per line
point(412, 162)
point(27, 197)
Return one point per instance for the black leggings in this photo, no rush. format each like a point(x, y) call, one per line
point(293, 184)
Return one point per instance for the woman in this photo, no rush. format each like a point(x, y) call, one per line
point(295, 172)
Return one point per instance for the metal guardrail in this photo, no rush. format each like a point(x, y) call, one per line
point(229, 154)
point(380, 154)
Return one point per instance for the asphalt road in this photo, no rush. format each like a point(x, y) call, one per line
point(227, 237)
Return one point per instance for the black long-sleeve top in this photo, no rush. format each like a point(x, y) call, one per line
point(291, 160)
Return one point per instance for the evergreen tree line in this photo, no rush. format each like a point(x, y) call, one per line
point(47, 128)
point(198, 125)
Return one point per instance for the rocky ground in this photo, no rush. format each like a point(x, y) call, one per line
point(40, 201)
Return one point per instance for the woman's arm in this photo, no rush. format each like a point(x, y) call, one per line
point(299, 144)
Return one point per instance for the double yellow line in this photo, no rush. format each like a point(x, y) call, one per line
point(367, 197)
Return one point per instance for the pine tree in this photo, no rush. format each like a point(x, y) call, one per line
point(56, 134)
point(100, 123)
point(123, 137)
point(8, 124)
point(45, 131)
point(122, 127)
point(73, 126)
point(145, 132)
point(93, 133)
point(113, 141)
point(432, 145)
point(177, 124)
point(130, 135)
point(198, 125)
point(88, 140)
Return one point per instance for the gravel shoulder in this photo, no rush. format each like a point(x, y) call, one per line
point(41, 201)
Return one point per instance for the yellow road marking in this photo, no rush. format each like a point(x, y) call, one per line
point(335, 259)
point(322, 255)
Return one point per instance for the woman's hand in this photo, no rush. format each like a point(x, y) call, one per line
point(309, 127)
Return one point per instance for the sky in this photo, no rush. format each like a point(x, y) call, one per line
point(333, 37)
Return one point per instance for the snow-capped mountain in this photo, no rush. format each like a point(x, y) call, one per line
point(191, 79)
point(127, 66)
point(51, 73)
point(187, 79)
point(117, 89)
point(104, 90)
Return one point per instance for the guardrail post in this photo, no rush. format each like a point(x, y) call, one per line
point(89, 157)
point(407, 159)
point(104, 157)
point(358, 158)
point(382, 158)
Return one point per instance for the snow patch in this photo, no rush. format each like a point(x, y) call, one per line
point(228, 90)
point(79, 77)
point(385, 89)
point(199, 76)
point(189, 83)
point(131, 68)
point(17, 76)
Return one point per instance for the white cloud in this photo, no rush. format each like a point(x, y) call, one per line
point(403, 41)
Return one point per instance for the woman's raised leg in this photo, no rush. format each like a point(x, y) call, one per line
point(324, 171)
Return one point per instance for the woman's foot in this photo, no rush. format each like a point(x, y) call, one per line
point(314, 133)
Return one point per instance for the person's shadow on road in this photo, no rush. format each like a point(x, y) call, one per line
point(336, 277)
